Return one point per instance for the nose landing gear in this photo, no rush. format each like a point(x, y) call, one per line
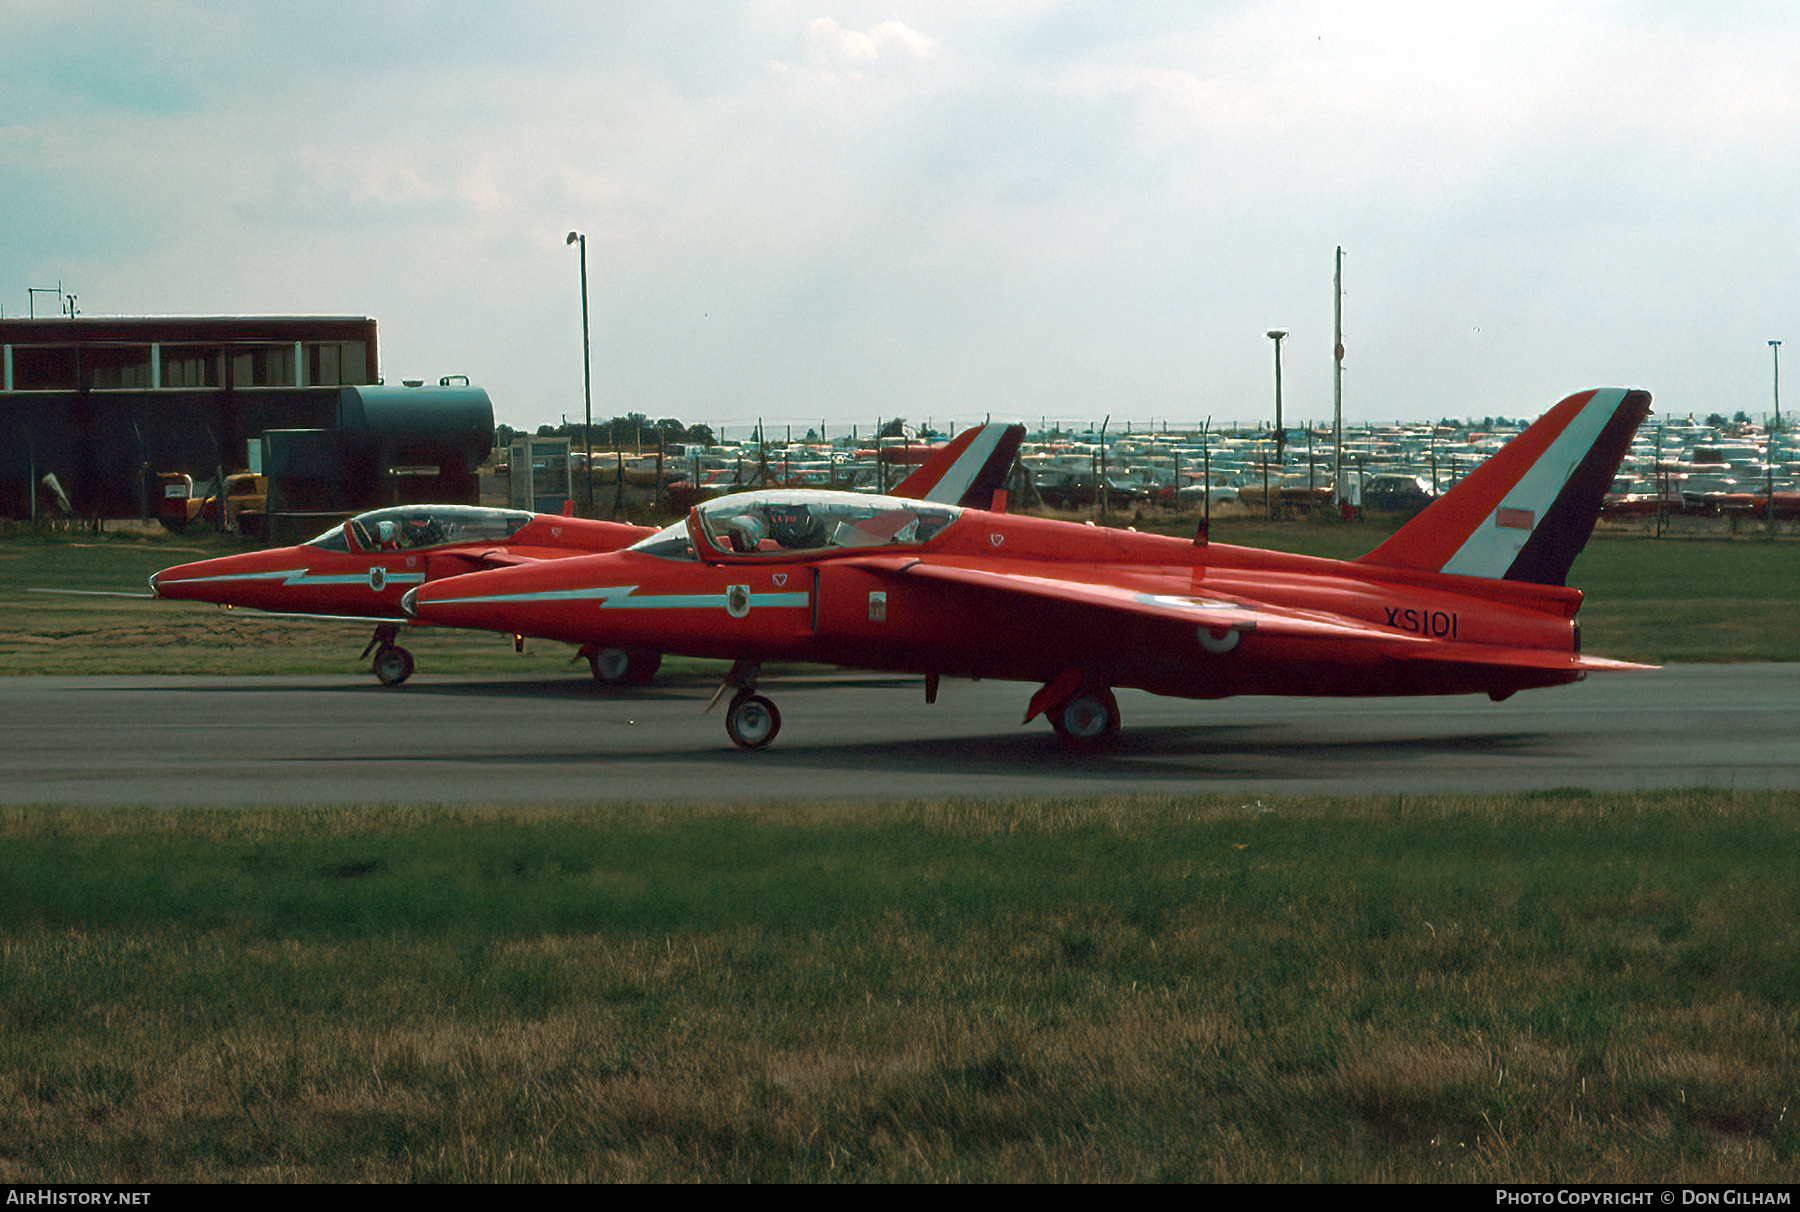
point(751, 721)
point(393, 664)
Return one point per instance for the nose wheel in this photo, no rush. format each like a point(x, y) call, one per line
point(393, 665)
point(751, 721)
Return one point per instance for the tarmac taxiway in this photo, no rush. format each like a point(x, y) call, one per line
point(452, 740)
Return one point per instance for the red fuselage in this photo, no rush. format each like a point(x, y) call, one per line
point(1019, 598)
point(352, 572)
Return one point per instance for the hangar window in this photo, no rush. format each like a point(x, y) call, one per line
point(43, 368)
point(116, 366)
point(191, 366)
point(329, 363)
point(263, 366)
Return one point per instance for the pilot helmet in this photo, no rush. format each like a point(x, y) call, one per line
point(746, 532)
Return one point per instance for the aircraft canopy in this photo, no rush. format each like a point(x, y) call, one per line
point(786, 524)
point(410, 527)
point(789, 523)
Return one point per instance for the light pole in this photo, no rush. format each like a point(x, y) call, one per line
point(587, 372)
point(1776, 346)
point(1275, 335)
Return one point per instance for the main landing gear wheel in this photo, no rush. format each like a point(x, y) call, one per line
point(1086, 721)
point(393, 664)
point(633, 665)
point(751, 721)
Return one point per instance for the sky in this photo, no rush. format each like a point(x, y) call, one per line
point(810, 212)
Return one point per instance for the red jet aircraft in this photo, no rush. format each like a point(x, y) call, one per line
point(1468, 597)
point(358, 570)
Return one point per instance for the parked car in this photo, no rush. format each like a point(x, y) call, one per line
point(1295, 490)
point(1196, 496)
point(1071, 490)
point(1394, 493)
point(1630, 497)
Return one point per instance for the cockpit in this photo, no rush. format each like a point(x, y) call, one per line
point(413, 527)
point(783, 525)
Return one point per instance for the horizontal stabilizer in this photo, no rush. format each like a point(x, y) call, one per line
point(96, 593)
point(377, 619)
point(1514, 658)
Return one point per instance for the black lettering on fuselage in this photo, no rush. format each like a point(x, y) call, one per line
point(1438, 624)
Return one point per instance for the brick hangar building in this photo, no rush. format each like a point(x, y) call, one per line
point(105, 405)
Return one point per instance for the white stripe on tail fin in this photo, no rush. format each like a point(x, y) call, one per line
point(969, 470)
point(1526, 513)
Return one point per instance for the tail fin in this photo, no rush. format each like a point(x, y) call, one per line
point(1526, 513)
point(969, 470)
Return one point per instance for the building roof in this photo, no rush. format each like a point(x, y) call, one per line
point(61, 329)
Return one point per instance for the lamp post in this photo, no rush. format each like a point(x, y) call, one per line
point(1275, 335)
point(1776, 427)
point(587, 372)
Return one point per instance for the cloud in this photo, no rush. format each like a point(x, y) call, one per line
point(831, 49)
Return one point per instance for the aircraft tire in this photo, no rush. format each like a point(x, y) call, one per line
point(635, 666)
point(1086, 721)
point(752, 721)
point(393, 664)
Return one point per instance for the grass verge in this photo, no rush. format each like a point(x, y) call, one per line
point(1559, 987)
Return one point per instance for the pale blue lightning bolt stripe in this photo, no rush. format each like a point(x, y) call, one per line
point(623, 597)
point(300, 576)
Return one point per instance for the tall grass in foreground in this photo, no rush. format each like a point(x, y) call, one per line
point(1565, 986)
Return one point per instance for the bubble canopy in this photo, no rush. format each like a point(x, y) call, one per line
point(782, 525)
point(402, 527)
